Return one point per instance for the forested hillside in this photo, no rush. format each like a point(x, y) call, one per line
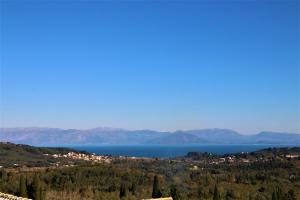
point(263, 175)
point(14, 155)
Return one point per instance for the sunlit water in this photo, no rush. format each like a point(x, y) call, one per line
point(164, 151)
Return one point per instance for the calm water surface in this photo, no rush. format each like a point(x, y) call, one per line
point(164, 151)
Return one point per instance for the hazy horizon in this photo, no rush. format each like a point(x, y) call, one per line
point(145, 129)
point(151, 65)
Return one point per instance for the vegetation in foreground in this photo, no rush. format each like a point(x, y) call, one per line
point(274, 174)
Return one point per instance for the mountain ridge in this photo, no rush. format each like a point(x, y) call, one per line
point(108, 135)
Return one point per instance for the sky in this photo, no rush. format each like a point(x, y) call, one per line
point(161, 65)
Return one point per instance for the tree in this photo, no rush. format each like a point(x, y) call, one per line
point(230, 194)
point(122, 191)
point(259, 197)
point(174, 193)
point(290, 195)
point(207, 180)
point(277, 194)
point(42, 194)
point(133, 189)
point(22, 188)
point(216, 193)
point(274, 197)
point(156, 193)
point(3, 175)
point(251, 197)
point(35, 189)
point(200, 193)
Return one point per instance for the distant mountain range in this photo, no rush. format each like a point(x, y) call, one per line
point(99, 136)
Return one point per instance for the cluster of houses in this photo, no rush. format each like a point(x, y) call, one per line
point(232, 159)
point(108, 159)
point(93, 157)
point(292, 156)
point(229, 159)
point(85, 157)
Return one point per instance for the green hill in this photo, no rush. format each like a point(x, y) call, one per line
point(24, 155)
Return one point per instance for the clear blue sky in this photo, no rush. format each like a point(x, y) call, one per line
point(158, 65)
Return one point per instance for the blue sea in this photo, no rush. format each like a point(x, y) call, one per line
point(165, 151)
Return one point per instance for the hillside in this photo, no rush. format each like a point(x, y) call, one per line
point(282, 153)
point(256, 175)
point(25, 155)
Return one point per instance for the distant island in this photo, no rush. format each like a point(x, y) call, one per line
point(99, 136)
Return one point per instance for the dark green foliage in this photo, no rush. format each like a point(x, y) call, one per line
point(122, 191)
point(37, 188)
point(156, 193)
point(261, 189)
point(25, 155)
point(42, 194)
point(276, 179)
point(216, 194)
point(200, 193)
point(277, 194)
point(290, 195)
point(22, 187)
point(132, 189)
point(274, 197)
point(230, 194)
point(174, 193)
